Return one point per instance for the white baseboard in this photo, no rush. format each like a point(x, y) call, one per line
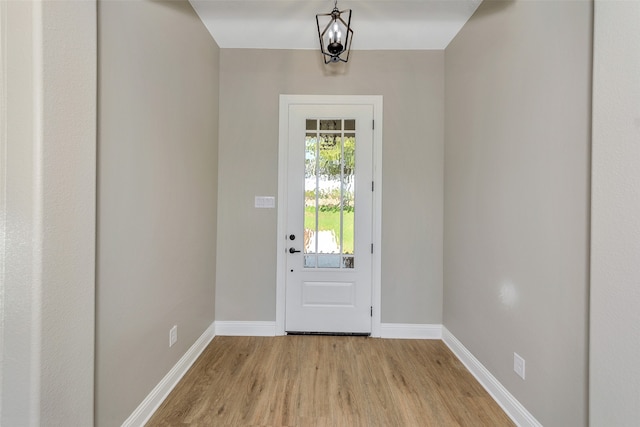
point(152, 402)
point(514, 409)
point(245, 329)
point(411, 331)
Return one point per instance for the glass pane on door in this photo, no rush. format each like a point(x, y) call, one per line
point(329, 203)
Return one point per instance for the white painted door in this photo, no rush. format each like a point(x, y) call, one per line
point(329, 219)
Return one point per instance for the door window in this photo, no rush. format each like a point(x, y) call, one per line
point(329, 202)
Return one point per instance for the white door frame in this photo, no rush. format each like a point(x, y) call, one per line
point(285, 102)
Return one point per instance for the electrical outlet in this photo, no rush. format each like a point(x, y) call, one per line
point(518, 365)
point(173, 335)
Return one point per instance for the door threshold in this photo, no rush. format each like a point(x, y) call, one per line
point(334, 334)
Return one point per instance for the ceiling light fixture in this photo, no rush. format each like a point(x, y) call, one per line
point(335, 37)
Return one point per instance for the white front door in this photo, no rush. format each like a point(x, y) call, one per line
point(329, 219)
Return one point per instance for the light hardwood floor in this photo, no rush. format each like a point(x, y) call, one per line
point(328, 381)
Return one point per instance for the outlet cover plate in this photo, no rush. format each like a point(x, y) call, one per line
point(518, 365)
point(173, 335)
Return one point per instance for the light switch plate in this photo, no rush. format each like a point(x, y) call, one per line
point(267, 202)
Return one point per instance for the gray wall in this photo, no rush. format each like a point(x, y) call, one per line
point(518, 84)
point(47, 212)
point(412, 85)
point(157, 185)
point(614, 379)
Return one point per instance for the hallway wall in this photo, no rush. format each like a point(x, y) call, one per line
point(518, 117)
point(47, 212)
point(157, 192)
point(614, 375)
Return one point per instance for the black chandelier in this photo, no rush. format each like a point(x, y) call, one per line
point(335, 37)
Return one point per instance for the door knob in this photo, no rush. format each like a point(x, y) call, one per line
point(292, 251)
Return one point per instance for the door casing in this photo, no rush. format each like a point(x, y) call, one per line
point(285, 102)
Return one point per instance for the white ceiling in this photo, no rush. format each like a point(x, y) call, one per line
point(377, 24)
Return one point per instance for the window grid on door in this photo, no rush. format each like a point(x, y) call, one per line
point(329, 202)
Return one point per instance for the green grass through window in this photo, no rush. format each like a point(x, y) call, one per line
point(330, 220)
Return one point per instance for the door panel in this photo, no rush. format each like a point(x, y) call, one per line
point(329, 219)
point(328, 294)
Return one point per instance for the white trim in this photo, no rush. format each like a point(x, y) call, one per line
point(152, 402)
point(285, 102)
point(38, 211)
point(282, 217)
point(245, 329)
point(514, 409)
point(376, 273)
point(411, 331)
point(3, 179)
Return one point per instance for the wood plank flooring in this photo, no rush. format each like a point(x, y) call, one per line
point(328, 381)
